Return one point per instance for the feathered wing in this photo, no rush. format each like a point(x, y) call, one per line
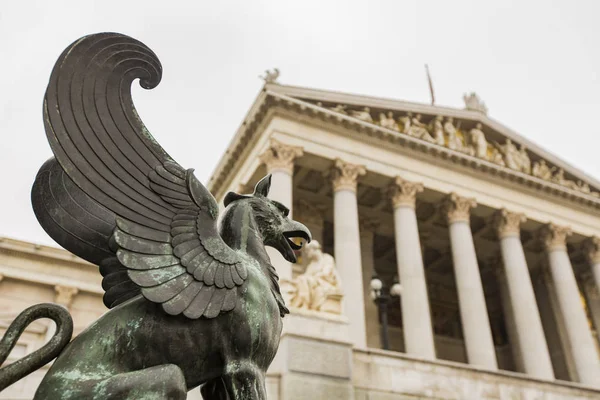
point(164, 229)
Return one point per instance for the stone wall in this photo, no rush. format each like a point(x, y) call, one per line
point(383, 375)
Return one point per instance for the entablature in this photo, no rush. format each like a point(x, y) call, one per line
point(545, 175)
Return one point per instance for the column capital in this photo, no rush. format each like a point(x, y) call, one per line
point(403, 192)
point(280, 157)
point(457, 208)
point(508, 223)
point(344, 176)
point(555, 236)
point(64, 295)
point(592, 249)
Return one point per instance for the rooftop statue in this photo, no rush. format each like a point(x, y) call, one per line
point(270, 76)
point(474, 103)
point(192, 302)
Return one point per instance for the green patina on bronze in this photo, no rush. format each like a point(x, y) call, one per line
point(192, 302)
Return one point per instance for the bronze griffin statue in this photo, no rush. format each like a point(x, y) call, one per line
point(194, 300)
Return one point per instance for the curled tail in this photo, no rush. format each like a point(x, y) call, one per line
point(26, 365)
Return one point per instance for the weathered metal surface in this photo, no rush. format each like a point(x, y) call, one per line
point(192, 302)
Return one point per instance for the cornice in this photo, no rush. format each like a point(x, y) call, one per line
point(14, 246)
point(273, 101)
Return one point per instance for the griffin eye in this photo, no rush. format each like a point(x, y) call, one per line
point(284, 210)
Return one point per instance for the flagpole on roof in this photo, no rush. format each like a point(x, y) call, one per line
point(430, 84)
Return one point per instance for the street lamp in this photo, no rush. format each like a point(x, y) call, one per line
point(382, 296)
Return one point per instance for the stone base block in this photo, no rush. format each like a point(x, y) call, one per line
point(296, 386)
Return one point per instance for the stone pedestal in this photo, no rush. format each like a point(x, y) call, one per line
point(314, 360)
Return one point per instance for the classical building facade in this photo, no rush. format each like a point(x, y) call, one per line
point(495, 244)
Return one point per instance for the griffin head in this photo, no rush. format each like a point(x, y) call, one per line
point(272, 219)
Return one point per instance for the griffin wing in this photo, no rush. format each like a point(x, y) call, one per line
point(162, 219)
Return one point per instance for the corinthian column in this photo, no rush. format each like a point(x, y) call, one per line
point(579, 335)
point(347, 246)
point(533, 348)
point(279, 160)
point(471, 299)
point(416, 318)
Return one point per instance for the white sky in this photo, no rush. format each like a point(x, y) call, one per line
point(534, 63)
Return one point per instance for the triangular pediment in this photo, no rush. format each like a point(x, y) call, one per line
point(466, 131)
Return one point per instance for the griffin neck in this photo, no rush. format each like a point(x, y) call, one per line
point(239, 230)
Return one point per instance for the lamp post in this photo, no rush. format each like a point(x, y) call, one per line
point(382, 296)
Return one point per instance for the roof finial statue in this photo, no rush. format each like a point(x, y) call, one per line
point(192, 301)
point(474, 103)
point(270, 76)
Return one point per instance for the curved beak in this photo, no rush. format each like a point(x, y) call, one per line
point(285, 245)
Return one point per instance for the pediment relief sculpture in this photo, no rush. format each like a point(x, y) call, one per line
point(319, 288)
point(514, 158)
point(419, 130)
point(364, 115)
point(444, 131)
point(387, 121)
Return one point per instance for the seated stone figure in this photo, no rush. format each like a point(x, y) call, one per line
point(319, 287)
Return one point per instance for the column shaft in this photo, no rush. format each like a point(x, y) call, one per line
point(347, 247)
point(581, 342)
point(532, 342)
point(509, 320)
point(414, 301)
point(471, 299)
point(373, 327)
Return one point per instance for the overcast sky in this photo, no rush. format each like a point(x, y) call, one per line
point(534, 63)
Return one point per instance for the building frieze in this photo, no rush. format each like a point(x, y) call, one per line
point(445, 131)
